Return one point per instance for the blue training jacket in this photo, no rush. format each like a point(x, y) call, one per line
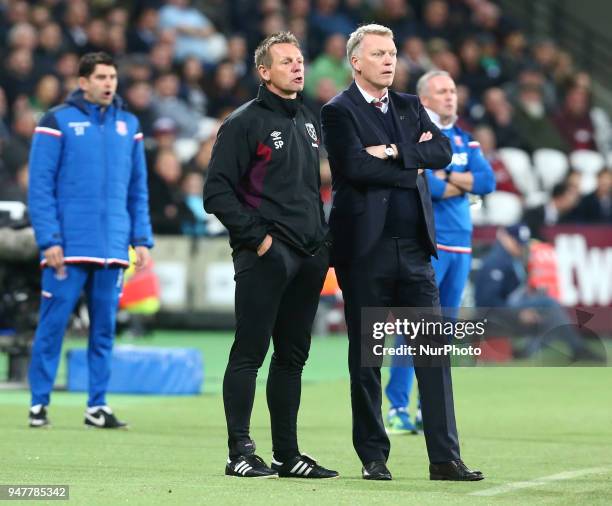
point(88, 182)
point(452, 215)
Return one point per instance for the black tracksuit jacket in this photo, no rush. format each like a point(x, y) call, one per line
point(264, 177)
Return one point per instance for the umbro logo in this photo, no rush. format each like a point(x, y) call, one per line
point(276, 137)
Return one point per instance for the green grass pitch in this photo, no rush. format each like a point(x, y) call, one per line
point(515, 424)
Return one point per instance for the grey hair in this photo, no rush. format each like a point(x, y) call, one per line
point(423, 82)
point(357, 36)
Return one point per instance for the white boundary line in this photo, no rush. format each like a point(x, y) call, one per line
point(517, 485)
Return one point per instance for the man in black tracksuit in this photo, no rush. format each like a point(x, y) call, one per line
point(263, 185)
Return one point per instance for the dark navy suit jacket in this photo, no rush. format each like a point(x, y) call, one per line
point(361, 182)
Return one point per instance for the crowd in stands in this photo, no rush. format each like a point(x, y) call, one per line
point(185, 65)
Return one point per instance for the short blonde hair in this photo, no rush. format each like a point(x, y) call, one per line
point(357, 36)
point(262, 53)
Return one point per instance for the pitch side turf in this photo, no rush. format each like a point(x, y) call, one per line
point(517, 425)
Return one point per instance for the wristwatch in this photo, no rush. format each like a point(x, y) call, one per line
point(389, 151)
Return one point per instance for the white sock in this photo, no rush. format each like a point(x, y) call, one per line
point(36, 409)
point(104, 408)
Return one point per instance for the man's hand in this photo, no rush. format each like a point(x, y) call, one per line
point(426, 136)
point(265, 245)
point(55, 259)
point(143, 257)
point(440, 174)
point(377, 151)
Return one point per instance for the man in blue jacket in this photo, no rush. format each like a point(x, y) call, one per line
point(468, 172)
point(88, 203)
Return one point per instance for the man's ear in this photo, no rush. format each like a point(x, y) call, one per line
point(264, 73)
point(83, 82)
point(355, 63)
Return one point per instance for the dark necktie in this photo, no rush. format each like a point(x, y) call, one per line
point(379, 103)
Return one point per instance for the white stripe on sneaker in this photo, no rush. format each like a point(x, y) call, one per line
point(294, 470)
point(240, 466)
point(246, 470)
point(308, 471)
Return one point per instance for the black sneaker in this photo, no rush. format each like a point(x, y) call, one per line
point(38, 417)
point(302, 466)
point(103, 418)
point(249, 466)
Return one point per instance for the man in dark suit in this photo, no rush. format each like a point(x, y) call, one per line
point(378, 143)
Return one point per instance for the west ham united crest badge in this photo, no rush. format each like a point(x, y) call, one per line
point(311, 131)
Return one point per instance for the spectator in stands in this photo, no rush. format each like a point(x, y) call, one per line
point(19, 76)
point(17, 149)
point(142, 36)
point(168, 211)
point(414, 54)
point(97, 36)
point(501, 282)
point(51, 45)
point(139, 99)
point(48, 95)
point(195, 34)
point(164, 138)
point(22, 36)
point(596, 207)
point(503, 180)
point(545, 54)
point(330, 64)
point(513, 54)
point(192, 78)
point(398, 16)
point(117, 43)
point(574, 180)
point(75, 22)
point(574, 121)
point(168, 104)
point(473, 74)
point(436, 22)
point(161, 57)
point(67, 66)
point(533, 126)
point(192, 186)
point(499, 115)
point(199, 223)
point(40, 15)
point(558, 210)
point(226, 90)
point(137, 68)
point(199, 162)
point(16, 189)
point(237, 54)
point(326, 19)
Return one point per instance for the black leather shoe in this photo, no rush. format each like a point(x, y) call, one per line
point(376, 470)
point(455, 470)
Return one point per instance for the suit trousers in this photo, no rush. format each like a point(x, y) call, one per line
point(395, 273)
point(277, 295)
